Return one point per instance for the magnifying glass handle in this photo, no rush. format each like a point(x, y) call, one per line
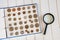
point(45, 30)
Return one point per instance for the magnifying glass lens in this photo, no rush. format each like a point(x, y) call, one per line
point(48, 19)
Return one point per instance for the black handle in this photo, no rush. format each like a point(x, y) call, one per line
point(45, 30)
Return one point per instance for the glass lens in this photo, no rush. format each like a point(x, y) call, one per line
point(48, 18)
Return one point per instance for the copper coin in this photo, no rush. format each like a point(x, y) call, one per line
point(16, 28)
point(14, 19)
point(15, 23)
point(29, 11)
point(34, 11)
point(19, 13)
point(9, 14)
point(25, 22)
point(8, 10)
point(18, 9)
point(23, 8)
point(24, 12)
point(27, 31)
point(11, 28)
point(37, 30)
point(31, 21)
point(19, 18)
point(35, 15)
point(16, 33)
point(28, 7)
point(37, 24)
point(30, 16)
point(13, 9)
point(26, 26)
point(33, 6)
point(31, 30)
point(10, 24)
point(14, 14)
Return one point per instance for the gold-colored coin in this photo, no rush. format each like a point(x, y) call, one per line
point(36, 20)
point(35, 15)
point(25, 22)
point(30, 16)
point(19, 18)
point(14, 14)
point(19, 13)
point(37, 24)
point(26, 26)
point(11, 28)
point(23, 8)
point(14, 19)
point(18, 9)
point(8, 10)
point(29, 11)
point(37, 30)
point(33, 7)
point(34, 11)
point(27, 31)
point(9, 15)
point(31, 31)
point(15, 23)
point(16, 33)
point(16, 28)
point(13, 9)
point(28, 7)
point(10, 24)
point(24, 12)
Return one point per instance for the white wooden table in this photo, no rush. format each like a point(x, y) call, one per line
point(45, 6)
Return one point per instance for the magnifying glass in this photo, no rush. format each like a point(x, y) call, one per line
point(48, 19)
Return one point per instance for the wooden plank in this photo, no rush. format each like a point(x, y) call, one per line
point(58, 11)
point(2, 28)
point(55, 25)
point(21, 38)
point(44, 10)
point(30, 37)
point(2, 13)
point(27, 1)
point(19, 2)
point(1, 2)
point(4, 3)
point(11, 3)
point(38, 36)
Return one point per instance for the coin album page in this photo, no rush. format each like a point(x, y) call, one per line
point(20, 20)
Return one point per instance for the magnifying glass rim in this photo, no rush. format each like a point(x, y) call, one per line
point(51, 15)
